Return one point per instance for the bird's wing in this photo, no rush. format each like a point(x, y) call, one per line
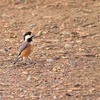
point(24, 45)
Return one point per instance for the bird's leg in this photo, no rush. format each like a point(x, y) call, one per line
point(30, 61)
point(24, 59)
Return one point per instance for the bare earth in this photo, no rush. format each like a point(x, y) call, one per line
point(66, 52)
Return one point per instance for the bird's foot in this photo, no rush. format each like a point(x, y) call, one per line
point(31, 62)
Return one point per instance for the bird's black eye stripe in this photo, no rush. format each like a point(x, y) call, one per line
point(29, 40)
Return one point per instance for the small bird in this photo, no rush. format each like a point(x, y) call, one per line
point(26, 47)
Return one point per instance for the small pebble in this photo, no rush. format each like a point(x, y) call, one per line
point(68, 46)
point(65, 33)
point(54, 69)
point(6, 50)
point(25, 73)
point(29, 78)
point(31, 26)
point(81, 50)
point(39, 33)
point(53, 26)
point(49, 60)
point(10, 54)
point(54, 97)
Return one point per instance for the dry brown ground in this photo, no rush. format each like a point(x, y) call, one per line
point(66, 53)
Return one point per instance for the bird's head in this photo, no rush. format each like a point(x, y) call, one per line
point(28, 36)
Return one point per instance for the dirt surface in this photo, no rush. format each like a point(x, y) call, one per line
point(66, 50)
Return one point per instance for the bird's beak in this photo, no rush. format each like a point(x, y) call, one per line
point(32, 35)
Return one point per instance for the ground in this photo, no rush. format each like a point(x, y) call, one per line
point(66, 50)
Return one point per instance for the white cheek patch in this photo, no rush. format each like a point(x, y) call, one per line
point(27, 37)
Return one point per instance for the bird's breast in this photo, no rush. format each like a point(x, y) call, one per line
point(27, 51)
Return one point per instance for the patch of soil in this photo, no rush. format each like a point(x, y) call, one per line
point(66, 50)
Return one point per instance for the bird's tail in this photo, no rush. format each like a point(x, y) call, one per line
point(16, 60)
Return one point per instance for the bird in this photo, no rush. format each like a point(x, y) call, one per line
point(26, 48)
